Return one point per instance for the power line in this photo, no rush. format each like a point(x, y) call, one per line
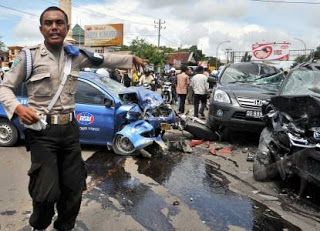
point(287, 2)
point(20, 11)
point(168, 40)
point(105, 15)
point(117, 7)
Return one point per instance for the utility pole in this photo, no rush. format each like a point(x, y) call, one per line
point(159, 26)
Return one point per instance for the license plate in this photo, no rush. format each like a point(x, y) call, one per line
point(254, 114)
point(165, 126)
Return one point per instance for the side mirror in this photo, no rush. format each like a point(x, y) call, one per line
point(108, 102)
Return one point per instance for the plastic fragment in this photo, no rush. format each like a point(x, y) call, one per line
point(213, 151)
point(225, 151)
point(194, 143)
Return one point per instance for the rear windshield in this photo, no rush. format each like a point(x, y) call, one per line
point(260, 75)
point(302, 82)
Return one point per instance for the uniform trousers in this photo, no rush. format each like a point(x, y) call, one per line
point(57, 175)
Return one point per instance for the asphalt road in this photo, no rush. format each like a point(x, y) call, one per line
point(177, 191)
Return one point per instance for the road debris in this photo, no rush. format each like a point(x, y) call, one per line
point(179, 145)
point(250, 157)
point(194, 143)
point(225, 151)
point(176, 203)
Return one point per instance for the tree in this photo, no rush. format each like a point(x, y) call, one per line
point(2, 45)
point(142, 49)
point(197, 53)
point(246, 57)
point(316, 54)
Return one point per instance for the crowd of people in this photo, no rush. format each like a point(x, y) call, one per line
point(187, 84)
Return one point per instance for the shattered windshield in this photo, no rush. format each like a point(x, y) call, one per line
point(260, 75)
point(303, 82)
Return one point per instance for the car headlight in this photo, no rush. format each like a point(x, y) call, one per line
point(221, 96)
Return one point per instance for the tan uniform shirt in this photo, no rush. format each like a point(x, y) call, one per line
point(45, 79)
point(182, 83)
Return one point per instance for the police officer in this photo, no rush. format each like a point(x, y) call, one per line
point(57, 173)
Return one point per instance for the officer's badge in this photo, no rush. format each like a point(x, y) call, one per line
point(16, 61)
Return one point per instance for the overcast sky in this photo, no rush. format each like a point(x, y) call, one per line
point(204, 23)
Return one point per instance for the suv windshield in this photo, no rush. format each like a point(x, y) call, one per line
point(248, 73)
point(302, 82)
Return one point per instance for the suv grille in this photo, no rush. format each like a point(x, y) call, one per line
point(249, 103)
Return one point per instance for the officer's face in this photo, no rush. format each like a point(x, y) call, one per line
point(54, 28)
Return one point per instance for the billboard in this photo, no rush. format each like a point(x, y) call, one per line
point(270, 51)
point(103, 35)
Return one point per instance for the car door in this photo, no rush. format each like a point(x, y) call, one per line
point(96, 121)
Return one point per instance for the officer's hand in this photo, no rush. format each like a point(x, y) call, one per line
point(138, 62)
point(26, 114)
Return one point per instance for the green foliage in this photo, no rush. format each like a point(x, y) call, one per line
point(2, 45)
point(317, 53)
point(142, 49)
point(156, 56)
point(197, 53)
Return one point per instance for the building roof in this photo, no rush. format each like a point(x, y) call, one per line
point(14, 47)
point(78, 34)
point(77, 30)
point(183, 57)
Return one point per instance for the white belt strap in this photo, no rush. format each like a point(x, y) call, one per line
point(66, 72)
point(28, 63)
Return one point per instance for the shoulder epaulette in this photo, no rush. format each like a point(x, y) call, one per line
point(95, 58)
point(33, 47)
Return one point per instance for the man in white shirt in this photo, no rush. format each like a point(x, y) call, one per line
point(200, 88)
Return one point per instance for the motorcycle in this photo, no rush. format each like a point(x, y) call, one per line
point(196, 127)
point(166, 91)
point(289, 145)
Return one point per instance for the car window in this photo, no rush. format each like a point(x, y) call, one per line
point(302, 82)
point(87, 94)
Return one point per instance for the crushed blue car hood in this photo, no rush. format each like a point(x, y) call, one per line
point(146, 99)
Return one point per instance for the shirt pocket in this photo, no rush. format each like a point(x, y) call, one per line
point(40, 84)
point(72, 82)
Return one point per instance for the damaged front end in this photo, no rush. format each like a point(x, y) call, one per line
point(136, 137)
point(155, 110)
point(291, 139)
point(294, 143)
point(140, 123)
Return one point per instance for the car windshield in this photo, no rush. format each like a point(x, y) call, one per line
point(261, 75)
point(113, 86)
point(303, 82)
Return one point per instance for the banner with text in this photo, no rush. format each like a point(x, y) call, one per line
point(270, 51)
point(104, 35)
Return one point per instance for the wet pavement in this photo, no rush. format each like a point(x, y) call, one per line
point(198, 184)
point(177, 191)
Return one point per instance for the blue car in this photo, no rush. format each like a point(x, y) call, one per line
point(107, 113)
